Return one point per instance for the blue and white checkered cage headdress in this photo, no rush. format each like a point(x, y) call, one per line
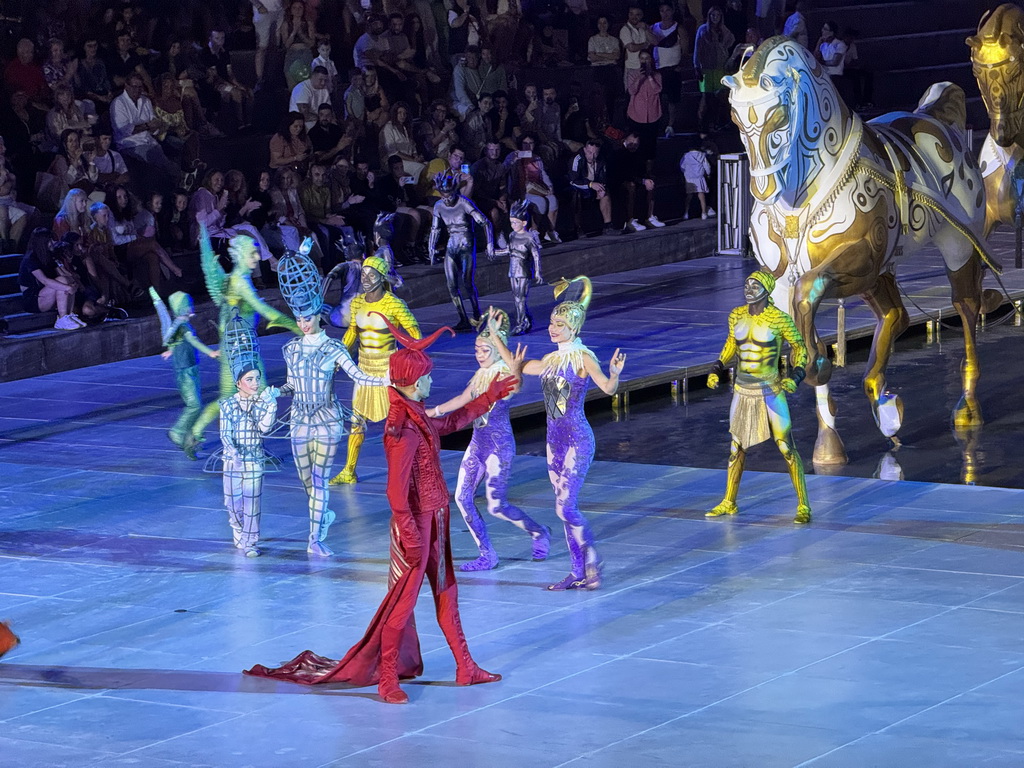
point(242, 346)
point(300, 282)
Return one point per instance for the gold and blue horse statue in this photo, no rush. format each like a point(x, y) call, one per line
point(997, 57)
point(839, 202)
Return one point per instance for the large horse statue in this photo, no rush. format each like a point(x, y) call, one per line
point(997, 55)
point(839, 202)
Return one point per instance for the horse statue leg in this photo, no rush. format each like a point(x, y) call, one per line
point(892, 320)
point(969, 301)
point(807, 294)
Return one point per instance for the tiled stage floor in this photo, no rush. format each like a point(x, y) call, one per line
point(888, 633)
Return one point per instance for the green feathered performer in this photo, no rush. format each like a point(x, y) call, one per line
point(183, 348)
point(234, 292)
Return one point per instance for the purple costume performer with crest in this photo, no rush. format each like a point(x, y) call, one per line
point(570, 440)
point(489, 456)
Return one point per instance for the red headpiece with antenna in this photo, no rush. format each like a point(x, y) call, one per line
point(409, 364)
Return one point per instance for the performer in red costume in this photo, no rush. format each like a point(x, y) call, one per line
point(8, 639)
point(418, 495)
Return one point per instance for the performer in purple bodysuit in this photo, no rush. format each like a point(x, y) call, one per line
point(490, 454)
point(570, 439)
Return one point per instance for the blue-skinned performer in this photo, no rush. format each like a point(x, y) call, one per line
point(458, 213)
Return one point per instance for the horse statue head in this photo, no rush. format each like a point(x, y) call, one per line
point(997, 56)
point(793, 123)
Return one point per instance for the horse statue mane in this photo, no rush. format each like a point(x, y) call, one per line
point(997, 56)
point(791, 119)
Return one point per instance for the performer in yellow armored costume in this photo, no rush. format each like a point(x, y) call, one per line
point(375, 347)
point(759, 409)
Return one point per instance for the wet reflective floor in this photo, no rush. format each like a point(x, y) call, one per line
point(924, 372)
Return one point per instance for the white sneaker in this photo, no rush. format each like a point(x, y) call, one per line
point(711, 211)
point(655, 222)
point(634, 226)
point(77, 320)
point(703, 215)
point(686, 217)
point(553, 237)
point(66, 324)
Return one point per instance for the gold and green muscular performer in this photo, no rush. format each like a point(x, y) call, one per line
point(376, 344)
point(759, 409)
point(232, 293)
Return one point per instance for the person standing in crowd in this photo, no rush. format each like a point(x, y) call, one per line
point(297, 36)
point(796, 24)
point(711, 51)
point(636, 37)
point(216, 60)
point(696, 169)
point(266, 18)
point(668, 53)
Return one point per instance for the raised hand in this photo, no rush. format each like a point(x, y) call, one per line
point(618, 363)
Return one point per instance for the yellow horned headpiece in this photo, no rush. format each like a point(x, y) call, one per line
point(574, 310)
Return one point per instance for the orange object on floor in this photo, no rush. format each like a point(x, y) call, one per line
point(8, 639)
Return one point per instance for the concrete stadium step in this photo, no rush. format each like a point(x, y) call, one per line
point(31, 323)
point(902, 88)
point(899, 18)
point(887, 52)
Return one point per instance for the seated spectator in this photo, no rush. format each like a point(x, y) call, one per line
point(109, 163)
point(489, 177)
point(175, 230)
point(456, 163)
point(73, 216)
point(396, 192)
point(290, 146)
point(588, 175)
point(144, 255)
point(66, 114)
point(352, 101)
point(309, 95)
point(72, 168)
point(477, 129)
point(360, 205)
point(331, 141)
point(633, 173)
point(174, 130)
point(209, 206)
point(297, 36)
point(318, 204)
point(287, 210)
point(216, 60)
point(435, 133)
point(59, 68)
point(527, 179)
point(134, 124)
point(23, 127)
point(412, 82)
point(377, 107)
point(526, 109)
point(504, 122)
point(91, 81)
point(14, 216)
point(47, 284)
point(100, 249)
point(23, 74)
point(396, 139)
point(549, 127)
point(124, 62)
point(548, 50)
point(193, 88)
point(414, 33)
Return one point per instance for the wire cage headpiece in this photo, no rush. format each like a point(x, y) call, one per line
point(300, 282)
point(242, 346)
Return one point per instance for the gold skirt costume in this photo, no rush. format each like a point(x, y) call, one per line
point(749, 421)
point(372, 402)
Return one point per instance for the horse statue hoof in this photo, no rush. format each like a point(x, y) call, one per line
point(967, 414)
point(828, 448)
point(888, 411)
